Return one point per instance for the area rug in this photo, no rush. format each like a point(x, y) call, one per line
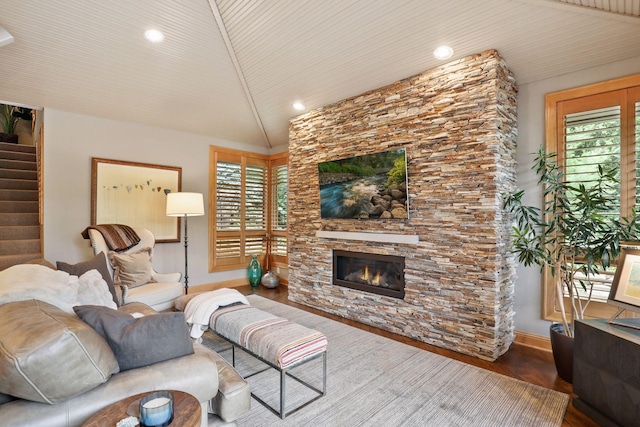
point(376, 381)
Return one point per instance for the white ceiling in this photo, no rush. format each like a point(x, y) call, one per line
point(232, 68)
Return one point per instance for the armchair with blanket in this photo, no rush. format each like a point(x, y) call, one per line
point(143, 284)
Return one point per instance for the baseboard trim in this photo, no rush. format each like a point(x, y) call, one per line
point(531, 340)
point(234, 283)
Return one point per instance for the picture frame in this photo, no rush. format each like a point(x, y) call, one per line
point(134, 194)
point(625, 288)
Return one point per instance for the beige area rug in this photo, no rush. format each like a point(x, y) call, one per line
point(376, 381)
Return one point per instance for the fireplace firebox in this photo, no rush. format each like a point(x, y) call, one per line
point(375, 273)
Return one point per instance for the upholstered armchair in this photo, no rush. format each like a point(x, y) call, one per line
point(161, 291)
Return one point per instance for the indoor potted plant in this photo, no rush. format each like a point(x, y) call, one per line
point(576, 235)
point(8, 122)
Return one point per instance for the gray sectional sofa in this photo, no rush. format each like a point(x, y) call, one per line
point(57, 370)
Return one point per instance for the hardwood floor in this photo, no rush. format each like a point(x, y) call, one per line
point(521, 362)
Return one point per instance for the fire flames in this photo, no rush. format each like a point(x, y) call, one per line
point(367, 277)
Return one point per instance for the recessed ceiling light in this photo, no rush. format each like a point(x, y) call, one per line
point(298, 106)
point(443, 52)
point(154, 36)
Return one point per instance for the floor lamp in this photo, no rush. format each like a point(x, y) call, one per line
point(185, 205)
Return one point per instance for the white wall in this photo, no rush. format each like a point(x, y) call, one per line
point(71, 140)
point(528, 298)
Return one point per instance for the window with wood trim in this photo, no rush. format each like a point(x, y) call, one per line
point(245, 216)
point(588, 127)
point(279, 179)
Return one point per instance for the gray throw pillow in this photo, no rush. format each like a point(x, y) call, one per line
point(98, 262)
point(140, 341)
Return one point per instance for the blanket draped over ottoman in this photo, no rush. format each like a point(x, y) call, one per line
point(275, 339)
point(200, 307)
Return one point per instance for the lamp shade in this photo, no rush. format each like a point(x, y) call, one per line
point(185, 204)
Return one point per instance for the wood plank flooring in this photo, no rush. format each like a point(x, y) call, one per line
point(521, 362)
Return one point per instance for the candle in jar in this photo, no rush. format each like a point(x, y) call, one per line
point(157, 402)
point(157, 411)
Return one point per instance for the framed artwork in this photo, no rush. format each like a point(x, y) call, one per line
point(625, 289)
point(135, 194)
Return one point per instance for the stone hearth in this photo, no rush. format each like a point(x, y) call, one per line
point(458, 125)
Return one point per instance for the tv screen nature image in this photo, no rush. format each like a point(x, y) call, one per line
point(373, 186)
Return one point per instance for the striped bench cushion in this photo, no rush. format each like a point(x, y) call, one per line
point(274, 339)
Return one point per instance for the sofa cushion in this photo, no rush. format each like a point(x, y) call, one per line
point(140, 341)
point(132, 269)
point(47, 355)
point(98, 262)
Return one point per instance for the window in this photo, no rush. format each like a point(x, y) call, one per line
point(279, 178)
point(248, 216)
point(588, 127)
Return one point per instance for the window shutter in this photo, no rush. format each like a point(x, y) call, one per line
point(255, 197)
point(240, 211)
point(279, 207)
point(592, 139)
point(228, 196)
point(278, 212)
point(588, 127)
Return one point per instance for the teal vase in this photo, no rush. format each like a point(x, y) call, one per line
point(254, 271)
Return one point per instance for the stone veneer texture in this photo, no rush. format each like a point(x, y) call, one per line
point(458, 125)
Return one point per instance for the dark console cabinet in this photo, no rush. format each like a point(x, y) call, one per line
point(606, 372)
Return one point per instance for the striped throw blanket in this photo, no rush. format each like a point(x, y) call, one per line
point(275, 339)
point(117, 236)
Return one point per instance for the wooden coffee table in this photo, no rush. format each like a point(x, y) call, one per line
point(186, 411)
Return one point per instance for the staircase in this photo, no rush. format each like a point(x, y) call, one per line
point(20, 238)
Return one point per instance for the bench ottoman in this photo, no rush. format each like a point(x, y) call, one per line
point(278, 342)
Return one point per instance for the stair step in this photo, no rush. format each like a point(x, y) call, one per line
point(18, 155)
point(6, 146)
point(15, 195)
point(7, 261)
point(18, 174)
point(17, 232)
point(19, 247)
point(11, 219)
point(18, 184)
point(18, 207)
point(18, 165)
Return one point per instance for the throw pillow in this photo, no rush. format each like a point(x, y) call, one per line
point(140, 341)
point(48, 355)
point(98, 262)
point(132, 269)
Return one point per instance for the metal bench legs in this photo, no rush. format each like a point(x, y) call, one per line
point(283, 375)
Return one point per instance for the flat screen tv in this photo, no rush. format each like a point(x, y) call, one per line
point(372, 186)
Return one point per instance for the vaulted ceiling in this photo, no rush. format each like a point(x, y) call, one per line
point(232, 68)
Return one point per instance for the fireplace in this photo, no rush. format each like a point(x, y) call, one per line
point(375, 273)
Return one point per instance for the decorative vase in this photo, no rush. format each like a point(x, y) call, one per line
point(562, 348)
point(270, 280)
point(254, 271)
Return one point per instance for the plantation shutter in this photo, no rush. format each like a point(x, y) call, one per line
point(635, 94)
point(239, 183)
point(592, 140)
point(602, 130)
point(228, 204)
point(278, 212)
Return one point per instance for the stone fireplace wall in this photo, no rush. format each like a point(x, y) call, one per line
point(458, 125)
